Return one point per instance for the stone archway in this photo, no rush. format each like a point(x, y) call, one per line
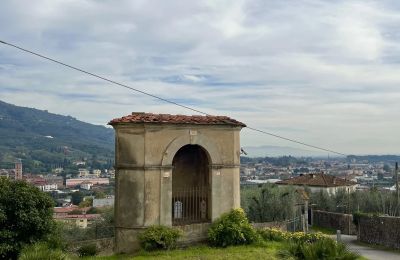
point(190, 185)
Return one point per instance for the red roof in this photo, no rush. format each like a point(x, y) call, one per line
point(79, 216)
point(320, 180)
point(176, 119)
point(57, 210)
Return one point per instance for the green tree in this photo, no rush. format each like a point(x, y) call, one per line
point(272, 203)
point(25, 216)
point(77, 197)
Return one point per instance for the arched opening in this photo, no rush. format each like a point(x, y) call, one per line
point(190, 185)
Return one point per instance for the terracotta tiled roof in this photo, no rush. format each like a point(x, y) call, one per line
point(79, 216)
point(176, 119)
point(57, 210)
point(320, 180)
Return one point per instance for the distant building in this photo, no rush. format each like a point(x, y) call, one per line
point(4, 173)
point(48, 187)
point(77, 163)
point(58, 170)
point(80, 220)
point(18, 169)
point(103, 202)
point(54, 179)
point(74, 215)
point(86, 185)
point(47, 183)
point(96, 172)
point(320, 181)
point(83, 172)
point(79, 181)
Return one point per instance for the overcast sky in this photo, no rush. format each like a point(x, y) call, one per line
point(323, 72)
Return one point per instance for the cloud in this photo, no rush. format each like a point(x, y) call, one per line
point(324, 72)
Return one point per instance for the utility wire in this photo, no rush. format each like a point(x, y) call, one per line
point(102, 78)
point(160, 98)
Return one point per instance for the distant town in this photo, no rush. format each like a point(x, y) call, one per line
point(365, 173)
point(87, 187)
point(74, 194)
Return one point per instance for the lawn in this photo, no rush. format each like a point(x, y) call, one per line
point(327, 231)
point(266, 250)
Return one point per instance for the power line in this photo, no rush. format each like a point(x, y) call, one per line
point(102, 78)
point(295, 141)
point(160, 98)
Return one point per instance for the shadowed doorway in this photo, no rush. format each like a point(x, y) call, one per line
point(190, 185)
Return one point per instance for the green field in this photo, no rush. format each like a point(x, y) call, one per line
point(262, 251)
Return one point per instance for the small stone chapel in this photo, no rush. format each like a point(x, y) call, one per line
point(174, 170)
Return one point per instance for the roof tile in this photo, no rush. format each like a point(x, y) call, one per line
point(320, 179)
point(139, 117)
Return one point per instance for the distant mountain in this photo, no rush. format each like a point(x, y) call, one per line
point(44, 140)
point(276, 151)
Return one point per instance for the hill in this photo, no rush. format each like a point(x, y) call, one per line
point(44, 140)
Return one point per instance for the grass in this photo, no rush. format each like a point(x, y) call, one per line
point(267, 250)
point(327, 231)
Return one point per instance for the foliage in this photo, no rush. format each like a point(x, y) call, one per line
point(77, 197)
point(100, 228)
point(324, 230)
point(23, 134)
point(75, 212)
point(55, 239)
point(321, 249)
point(99, 194)
point(87, 250)
point(357, 215)
point(232, 228)
point(87, 202)
point(273, 234)
point(371, 201)
point(271, 203)
point(25, 216)
point(41, 251)
point(159, 237)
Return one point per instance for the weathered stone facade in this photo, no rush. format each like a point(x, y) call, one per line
point(145, 153)
point(337, 221)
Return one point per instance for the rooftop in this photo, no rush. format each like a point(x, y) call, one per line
point(319, 180)
point(138, 117)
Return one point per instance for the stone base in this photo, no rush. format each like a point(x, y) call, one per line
point(126, 241)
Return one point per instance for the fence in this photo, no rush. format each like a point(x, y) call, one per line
point(296, 224)
point(190, 205)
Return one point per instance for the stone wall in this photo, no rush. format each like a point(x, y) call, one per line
point(193, 234)
point(380, 230)
point(337, 221)
point(104, 245)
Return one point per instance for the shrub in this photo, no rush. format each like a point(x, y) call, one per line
point(273, 234)
point(41, 251)
point(232, 228)
point(321, 249)
point(88, 250)
point(159, 237)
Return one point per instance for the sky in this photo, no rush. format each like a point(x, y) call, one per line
point(322, 72)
